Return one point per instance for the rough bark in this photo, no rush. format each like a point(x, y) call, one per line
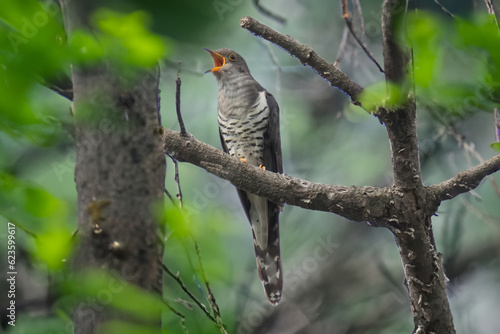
point(412, 224)
point(120, 172)
point(281, 188)
point(465, 181)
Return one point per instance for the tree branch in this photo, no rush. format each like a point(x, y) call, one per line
point(401, 122)
point(306, 55)
point(423, 268)
point(370, 204)
point(465, 181)
point(395, 56)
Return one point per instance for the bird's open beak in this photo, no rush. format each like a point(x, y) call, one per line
point(219, 61)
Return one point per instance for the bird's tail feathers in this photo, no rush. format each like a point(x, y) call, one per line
point(269, 267)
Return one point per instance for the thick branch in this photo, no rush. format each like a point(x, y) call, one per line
point(401, 126)
point(465, 181)
point(355, 203)
point(306, 55)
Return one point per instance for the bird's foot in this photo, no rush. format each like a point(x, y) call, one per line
point(262, 167)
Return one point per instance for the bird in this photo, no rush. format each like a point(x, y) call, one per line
point(249, 129)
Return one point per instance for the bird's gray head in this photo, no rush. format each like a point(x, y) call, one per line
point(227, 63)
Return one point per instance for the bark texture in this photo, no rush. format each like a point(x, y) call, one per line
point(120, 172)
point(411, 220)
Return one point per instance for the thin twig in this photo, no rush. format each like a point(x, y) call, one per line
point(306, 55)
point(211, 297)
point(178, 101)
point(273, 57)
point(179, 314)
point(192, 71)
point(493, 9)
point(176, 178)
point(443, 8)
point(342, 46)
point(357, 4)
point(183, 286)
point(497, 124)
point(470, 149)
point(489, 5)
point(345, 8)
point(480, 213)
point(360, 42)
point(267, 12)
point(168, 195)
point(171, 308)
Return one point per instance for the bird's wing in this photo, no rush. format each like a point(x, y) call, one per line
point(272, 142)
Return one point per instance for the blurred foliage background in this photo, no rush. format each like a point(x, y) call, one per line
point(340, 276)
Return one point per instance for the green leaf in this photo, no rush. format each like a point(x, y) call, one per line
point(54, 246)
point(126, 37)
point(424, 33)
point(40, 203)
point(382, 94)
point(84, 47)
point(495, 147)
point(177, 220)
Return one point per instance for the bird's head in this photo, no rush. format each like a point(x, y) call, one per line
point(227, 62)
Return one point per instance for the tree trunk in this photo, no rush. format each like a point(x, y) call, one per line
point(120, 172)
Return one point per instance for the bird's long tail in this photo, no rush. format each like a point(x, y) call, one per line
point(269, 259)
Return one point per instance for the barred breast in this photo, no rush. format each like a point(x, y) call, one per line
point(243, 130)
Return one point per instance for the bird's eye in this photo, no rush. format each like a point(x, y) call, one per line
point(232, 57)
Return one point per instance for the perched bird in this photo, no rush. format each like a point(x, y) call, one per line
point(249, 130)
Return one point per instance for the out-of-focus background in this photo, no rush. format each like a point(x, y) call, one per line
point(340, 276)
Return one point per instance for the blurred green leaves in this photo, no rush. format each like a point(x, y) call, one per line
point(382, 94)
point(95, 290)
point(456, 63)
point(111, 291)
point(187, 224)
point(122, 327)
point(41, 215)
point(30, 47)
point(425, 33)
point(33, 48)
point(126, 37)
point(456, 66)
